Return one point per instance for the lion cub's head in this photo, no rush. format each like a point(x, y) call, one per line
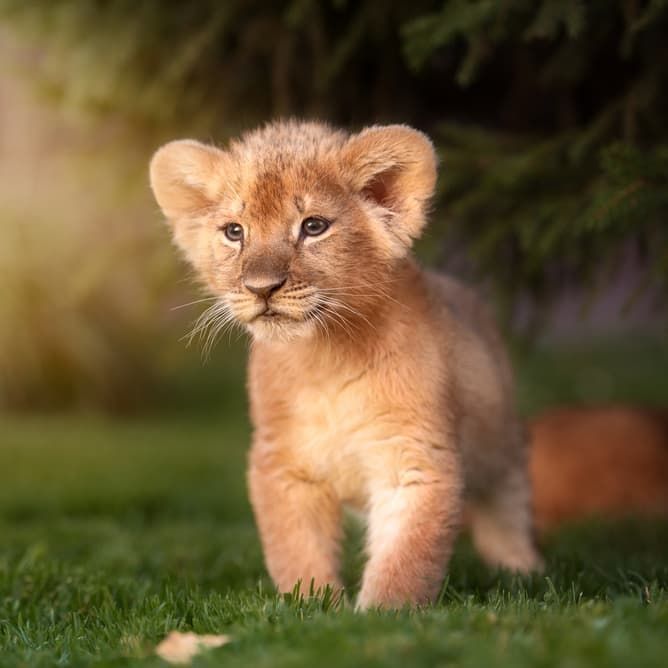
point(297, 227)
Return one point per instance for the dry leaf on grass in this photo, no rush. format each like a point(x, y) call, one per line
point(180, 647)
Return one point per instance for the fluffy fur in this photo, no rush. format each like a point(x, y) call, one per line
point(373, 384)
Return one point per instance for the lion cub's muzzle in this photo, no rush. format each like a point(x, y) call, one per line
point(265, 287)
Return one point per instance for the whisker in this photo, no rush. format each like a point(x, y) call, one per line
point(339, 304)
point(343, 292)
point(320, 324)
point(208, 326)
point(340, 319)
point(374, 284)
point(208, 317)
point(202, 322)
point(197, 301)
point(215, 332)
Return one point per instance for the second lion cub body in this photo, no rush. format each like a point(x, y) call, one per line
point(372, 382)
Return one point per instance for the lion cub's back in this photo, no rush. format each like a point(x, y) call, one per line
point(489, 431)
point(462, 308)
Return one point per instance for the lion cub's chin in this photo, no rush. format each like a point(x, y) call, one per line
point(280, 329)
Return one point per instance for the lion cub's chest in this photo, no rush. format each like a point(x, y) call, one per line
point(336, 429)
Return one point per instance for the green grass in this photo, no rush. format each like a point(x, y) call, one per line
point(114, 532)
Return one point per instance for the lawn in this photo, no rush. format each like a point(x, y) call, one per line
point(114, 532)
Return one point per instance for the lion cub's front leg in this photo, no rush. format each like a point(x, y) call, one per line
point(299, 521)
point(412, 528)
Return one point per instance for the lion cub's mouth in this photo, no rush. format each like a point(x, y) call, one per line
point(268, 313)
point(272, 314)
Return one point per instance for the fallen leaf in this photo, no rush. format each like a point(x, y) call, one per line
point(180, 647)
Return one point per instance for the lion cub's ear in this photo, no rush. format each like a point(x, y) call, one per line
point(187, 177)
point(394, 166)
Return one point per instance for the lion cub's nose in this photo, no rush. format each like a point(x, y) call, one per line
point(264, 287)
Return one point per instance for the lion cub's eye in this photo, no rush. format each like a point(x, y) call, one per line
point(233, 231)
point(312, 227)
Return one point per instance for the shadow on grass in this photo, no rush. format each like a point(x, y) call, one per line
point(593, 559)
point(599, 560)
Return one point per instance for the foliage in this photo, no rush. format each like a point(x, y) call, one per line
point(59, 346)
point(83, 272)
point(551, 117)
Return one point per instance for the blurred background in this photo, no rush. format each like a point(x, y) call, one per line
point(123, 508)
point(550, 119)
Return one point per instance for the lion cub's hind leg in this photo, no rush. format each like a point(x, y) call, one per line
point(502, 525)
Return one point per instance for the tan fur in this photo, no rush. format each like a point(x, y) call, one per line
point(608, 461)
point(374, 384)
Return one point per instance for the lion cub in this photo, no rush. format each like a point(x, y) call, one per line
point(373, 383)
